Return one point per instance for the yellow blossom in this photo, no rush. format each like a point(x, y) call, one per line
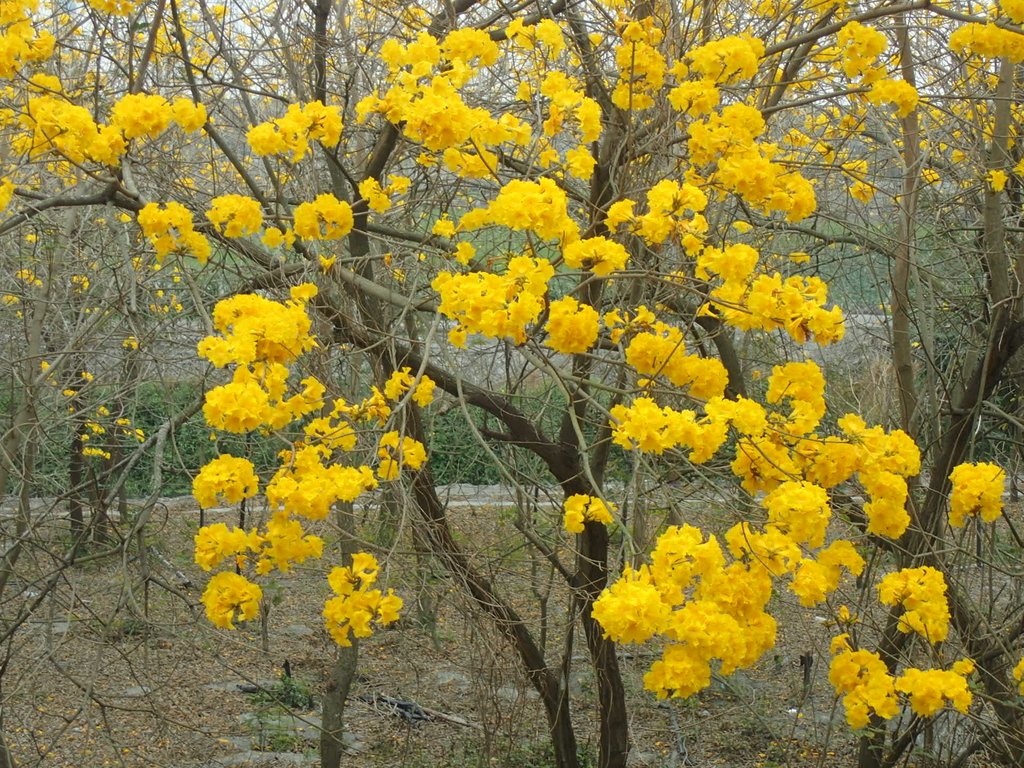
point(356, 607)
point(580, 508)
point(977, 490)
point(229, 598)
point(921, 592)
point(325, 218)
point(572, 327)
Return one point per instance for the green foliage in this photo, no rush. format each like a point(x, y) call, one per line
point(154, 404)
point(275, 728)
point(288, 692)
point(150, 406)
point(458, 457)
point(455, 453)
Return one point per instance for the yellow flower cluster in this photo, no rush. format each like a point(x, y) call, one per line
point(149, 115)
point(235, 215)
point(632, 609)
point(256, 396)
point(572, 327)
point(28, 277)
point(1018, 675)
point(259, 336)
point(281, 545)
point(803, 385)
point(778, 448)
point(769, 302)
point(897, 92)
point(256, 329)
point(284, 543)
point(580, 509)
point(355, 606)
point(859, 48)
point(727, 140)
point(868, 689)
point(988, 40)
point(304, 485)
point(274, 237)
point(718, 62)
point(230, 597)
point(214, 543)
point(797, 520)
point(771, 548)
point(567, 101)
point(6, 193)
point(800, 510)
point(114, 7)
point(423, 96)
point(290, 135)
point(766, 457)
point(372, 408)
point(20, 42)
point(661, 351)
point(333, 432)
point(817, 577)
point(726, 60)
point(666, 202)
point(534, 206)
point(977, 490)
point(378, 197)
point(736, 262)
point(402, 381)
point(641, 65)
point(648, 427)
point(864, 682)
point(702, 607)
point(498, 306)
point(169, 230)
point(694, 97)
point(929, 690)
point(1013, 9)
point(860, 189)
point(325, 218)
point(396, 451)
point(922, 594)
point(743, 299)
point(997, 179)
point(883, 462)
point(227, 479)
point(598, 254)
point(53, 123)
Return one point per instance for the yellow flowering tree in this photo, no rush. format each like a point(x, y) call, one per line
point(627, 205)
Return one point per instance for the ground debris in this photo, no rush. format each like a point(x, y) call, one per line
point(409, 711)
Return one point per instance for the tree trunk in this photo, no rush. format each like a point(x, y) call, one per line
point(76, 479)
point(343, 671)
point(339, 681)
point(552, 691)
point(6, 758)
point(592, 568)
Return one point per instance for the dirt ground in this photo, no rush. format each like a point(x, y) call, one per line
point(108, 671)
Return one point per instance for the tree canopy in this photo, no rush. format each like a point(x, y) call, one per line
point(601, 233)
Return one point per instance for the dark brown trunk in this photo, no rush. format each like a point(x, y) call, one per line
point(76, 480)
point(553, 694)
point(593, 575)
